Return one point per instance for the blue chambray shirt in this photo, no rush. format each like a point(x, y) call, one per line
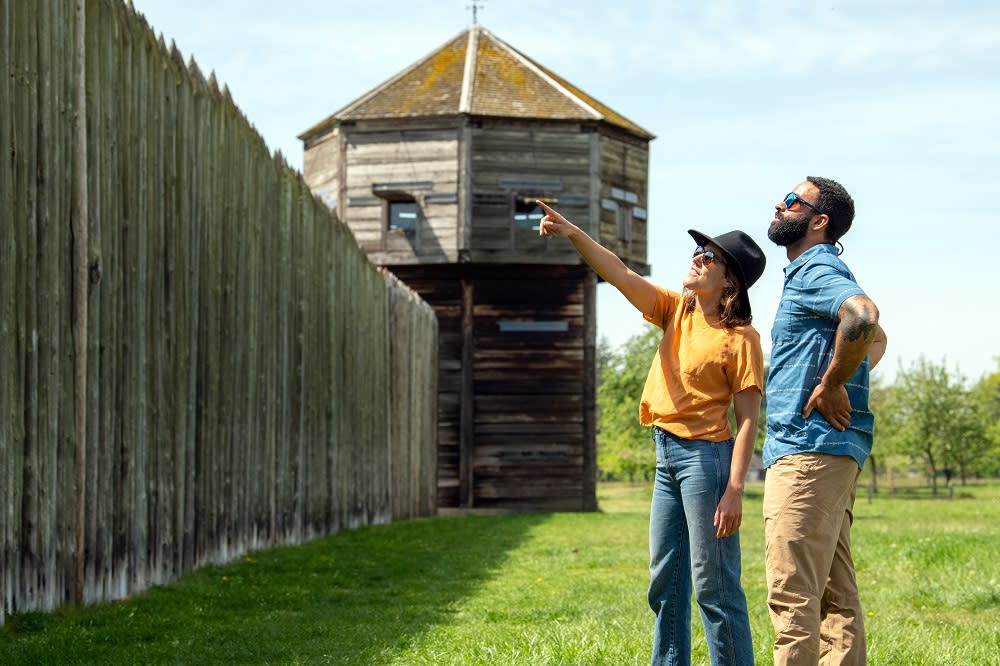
point(816, 284)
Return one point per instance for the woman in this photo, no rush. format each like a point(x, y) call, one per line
point(709, 357)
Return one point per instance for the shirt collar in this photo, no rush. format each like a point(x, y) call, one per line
point(808, 255)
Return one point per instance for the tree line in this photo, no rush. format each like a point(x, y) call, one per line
point(931, 421)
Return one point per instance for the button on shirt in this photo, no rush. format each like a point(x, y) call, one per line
point(816, 284)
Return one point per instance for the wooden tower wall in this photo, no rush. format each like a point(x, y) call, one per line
point(516, 390)
point(467, 175)
point(520, 161)
point(321, 167)
point(516, 312)
point(359, 169)
point(623, 198)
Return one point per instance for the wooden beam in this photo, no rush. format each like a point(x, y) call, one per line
point(589, 392)
point(467, 413)
point(80, 278)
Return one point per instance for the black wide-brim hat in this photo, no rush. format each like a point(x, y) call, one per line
point(743, 256)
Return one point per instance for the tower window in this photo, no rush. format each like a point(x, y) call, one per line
point(527, 214)
point(403, 216)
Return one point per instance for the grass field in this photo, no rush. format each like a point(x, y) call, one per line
point(528, 589)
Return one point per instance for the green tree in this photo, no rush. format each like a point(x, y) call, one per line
point(932, 416)
point(987, 392)
point(605, 355)
point(918, 414)
point(969, 442)
point(624, 449)
point(882, 402)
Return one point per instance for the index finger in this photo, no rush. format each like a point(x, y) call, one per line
point(544, 206)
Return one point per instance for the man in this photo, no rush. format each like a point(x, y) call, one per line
point(825, 339)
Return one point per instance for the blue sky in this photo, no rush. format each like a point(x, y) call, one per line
point(899, 101)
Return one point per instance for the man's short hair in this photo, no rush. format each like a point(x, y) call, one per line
point(836, 203)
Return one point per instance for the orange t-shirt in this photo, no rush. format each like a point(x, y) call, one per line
point(699, 366)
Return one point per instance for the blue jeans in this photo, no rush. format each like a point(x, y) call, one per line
point(684, 552)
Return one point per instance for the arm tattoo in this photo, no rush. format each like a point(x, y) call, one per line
point(860, 322)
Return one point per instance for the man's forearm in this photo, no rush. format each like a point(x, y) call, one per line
point(855, 333)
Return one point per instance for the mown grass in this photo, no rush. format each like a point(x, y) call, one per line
point(527, 589)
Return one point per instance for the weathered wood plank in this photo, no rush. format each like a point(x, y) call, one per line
point(10, 368)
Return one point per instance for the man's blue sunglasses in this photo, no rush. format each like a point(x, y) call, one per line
point(792, 198)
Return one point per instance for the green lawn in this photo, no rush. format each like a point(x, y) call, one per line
point(528, 589)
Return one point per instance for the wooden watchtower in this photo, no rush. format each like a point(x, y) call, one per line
point(436, 171)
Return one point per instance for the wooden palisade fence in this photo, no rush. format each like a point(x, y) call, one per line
point(250, 378)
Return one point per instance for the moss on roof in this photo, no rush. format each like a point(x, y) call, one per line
point(503, 83)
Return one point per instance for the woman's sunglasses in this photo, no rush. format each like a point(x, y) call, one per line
point(707, 256)
point(792, 198)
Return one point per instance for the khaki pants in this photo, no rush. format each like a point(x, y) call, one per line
point(812, 593)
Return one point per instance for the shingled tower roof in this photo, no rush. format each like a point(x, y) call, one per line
point(477, 73)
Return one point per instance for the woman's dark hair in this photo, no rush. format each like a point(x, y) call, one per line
point(836, 203)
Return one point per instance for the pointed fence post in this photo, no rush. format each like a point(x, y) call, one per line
point(80, 281)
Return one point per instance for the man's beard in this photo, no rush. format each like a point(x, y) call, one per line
point(790, 228)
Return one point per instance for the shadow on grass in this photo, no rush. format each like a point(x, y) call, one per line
point(352, 598)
